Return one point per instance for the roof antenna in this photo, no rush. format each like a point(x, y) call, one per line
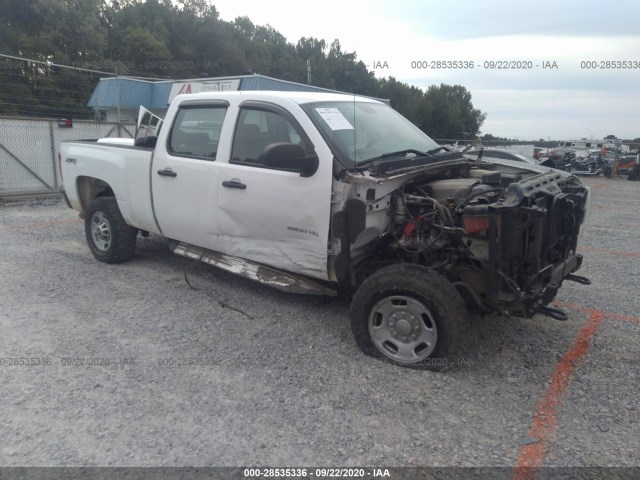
point(354, 129)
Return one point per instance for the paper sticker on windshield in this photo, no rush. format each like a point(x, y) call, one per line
point(334, 119)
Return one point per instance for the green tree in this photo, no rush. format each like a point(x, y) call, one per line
point(314, 51)
point(187, 39)
point(50, 31)
point(409, 101)
point(451, 113)
point(347, 73)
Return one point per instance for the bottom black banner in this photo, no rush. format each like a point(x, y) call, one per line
point(283, 473)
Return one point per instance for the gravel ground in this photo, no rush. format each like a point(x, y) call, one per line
point(283, 383)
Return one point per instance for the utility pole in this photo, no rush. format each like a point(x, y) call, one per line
point(308, 72)
point(118, 97)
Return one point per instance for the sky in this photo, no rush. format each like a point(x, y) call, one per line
point(566, 100)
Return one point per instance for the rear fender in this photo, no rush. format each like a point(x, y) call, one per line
point(89, 188)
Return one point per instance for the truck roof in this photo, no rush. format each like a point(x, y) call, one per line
point(298, 97)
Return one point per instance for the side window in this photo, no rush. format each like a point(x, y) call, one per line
point(196, 131)
point(256, 129)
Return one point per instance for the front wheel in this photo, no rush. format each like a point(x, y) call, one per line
point(409, 315)
point(109, 237)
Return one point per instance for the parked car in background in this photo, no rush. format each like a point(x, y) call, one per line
point(561, 152)
point(627, 165)
point(559, 157)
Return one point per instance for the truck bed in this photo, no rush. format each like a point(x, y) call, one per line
point(124, 167)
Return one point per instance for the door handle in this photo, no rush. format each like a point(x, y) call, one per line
point(234, 184)
point(167, 173)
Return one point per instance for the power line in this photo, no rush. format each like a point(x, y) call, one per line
point(51, 64)
point(69, 67)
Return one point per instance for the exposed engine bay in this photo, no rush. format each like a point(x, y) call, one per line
point(505, 238)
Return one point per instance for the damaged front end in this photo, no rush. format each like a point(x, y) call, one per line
point(528, 247)
point(505, 237)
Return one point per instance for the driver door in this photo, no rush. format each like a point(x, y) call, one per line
point(269, 215)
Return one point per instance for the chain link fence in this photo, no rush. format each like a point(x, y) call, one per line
point(29, 148)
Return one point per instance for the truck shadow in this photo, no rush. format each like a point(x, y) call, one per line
point(510, 347)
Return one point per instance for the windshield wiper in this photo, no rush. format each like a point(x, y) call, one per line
point(437, 149)
point(399, 153)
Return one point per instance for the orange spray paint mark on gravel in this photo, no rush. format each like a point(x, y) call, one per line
point(590, 311)
point(545, 420)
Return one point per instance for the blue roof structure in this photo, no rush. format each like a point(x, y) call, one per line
point(124, 92)
point(130, 92)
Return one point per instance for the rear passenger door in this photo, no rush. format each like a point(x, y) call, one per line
point(268, 215)
point(185, 174)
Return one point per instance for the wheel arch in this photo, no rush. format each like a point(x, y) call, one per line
point(89, 188)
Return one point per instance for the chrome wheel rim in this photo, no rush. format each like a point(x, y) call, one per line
point(100, 231)
point(403, 329)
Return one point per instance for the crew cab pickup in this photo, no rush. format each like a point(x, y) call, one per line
point(320, 193)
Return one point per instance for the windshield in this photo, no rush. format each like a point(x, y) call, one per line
point(359, 131)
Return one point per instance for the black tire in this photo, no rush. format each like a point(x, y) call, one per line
point(634, 172)
point(414, 291)
point(548, 296)
point(109, 238)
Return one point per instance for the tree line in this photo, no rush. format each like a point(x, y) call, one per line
point(187, 39)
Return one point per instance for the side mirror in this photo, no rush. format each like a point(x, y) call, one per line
point(291, 157)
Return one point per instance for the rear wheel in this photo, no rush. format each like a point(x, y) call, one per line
point(634, 173)
point(109, 237)
point(410, 316)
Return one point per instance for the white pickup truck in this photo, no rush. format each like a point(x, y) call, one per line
point(320, 193)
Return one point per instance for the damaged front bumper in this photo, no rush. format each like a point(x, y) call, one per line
point(532, 245)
